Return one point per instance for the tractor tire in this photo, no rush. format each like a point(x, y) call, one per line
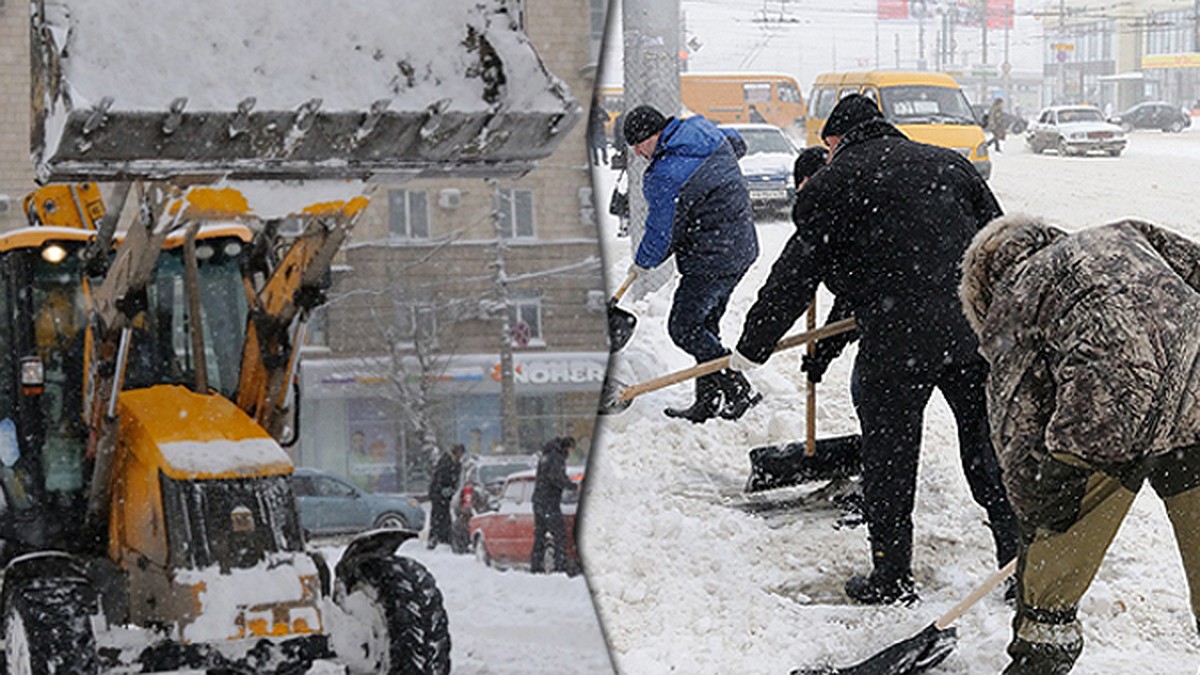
point(48, 628)
point(399, 602)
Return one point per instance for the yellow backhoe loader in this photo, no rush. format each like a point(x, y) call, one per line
point(147, 372)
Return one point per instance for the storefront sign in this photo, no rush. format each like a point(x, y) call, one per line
point(1186, 60)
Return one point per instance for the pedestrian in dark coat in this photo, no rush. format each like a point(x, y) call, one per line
point(548, 488)
point(597, 134)
point(1094, 345)
point(441, 492)
point(884, 226)
point(699, 211)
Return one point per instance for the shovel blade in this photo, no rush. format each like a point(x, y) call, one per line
point(916, 654)
point(610, 403)
point(776, 466)
point(620, 327)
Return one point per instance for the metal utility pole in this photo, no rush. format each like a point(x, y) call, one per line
point(1061, 56)
point(508, 388)
point(921, 65)
point(897, 36)
point(651, 56)
point(983, 39)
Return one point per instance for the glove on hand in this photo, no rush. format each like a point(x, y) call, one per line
point(741, 363)
point(815, 366)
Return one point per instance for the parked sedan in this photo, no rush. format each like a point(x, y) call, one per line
point(504, 537)
point(1153, 115)
point(329, 504)
point(767, 165)
point(1075, 130)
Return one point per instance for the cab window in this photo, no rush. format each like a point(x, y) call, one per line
point(824, 103)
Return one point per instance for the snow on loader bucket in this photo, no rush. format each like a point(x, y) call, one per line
point(383, 89)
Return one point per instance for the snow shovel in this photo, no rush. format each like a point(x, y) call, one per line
point(776, 466)
point(617, 396)
point(924, 650)
point(620, 322)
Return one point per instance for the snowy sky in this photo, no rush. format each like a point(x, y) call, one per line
point(821, 36)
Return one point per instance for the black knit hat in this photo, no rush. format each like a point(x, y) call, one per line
point(808, 162)
point(643, 122)
point(849, 113)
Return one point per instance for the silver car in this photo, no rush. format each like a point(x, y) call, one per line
point(1075, 130)
point(330, 504)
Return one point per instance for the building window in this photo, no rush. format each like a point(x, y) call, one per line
point(597, 11)
point(516, 213)
point(408, 214)
point(525, 317)
point(418, 322)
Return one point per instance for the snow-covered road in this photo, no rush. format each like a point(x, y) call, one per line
point(685, 584)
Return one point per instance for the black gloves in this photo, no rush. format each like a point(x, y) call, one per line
point(826, 351)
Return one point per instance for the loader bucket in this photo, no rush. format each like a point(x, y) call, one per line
point(374, 89)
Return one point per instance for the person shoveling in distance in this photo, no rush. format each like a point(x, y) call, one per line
point(699, 211)
point(1094, 345)
point(891, 252)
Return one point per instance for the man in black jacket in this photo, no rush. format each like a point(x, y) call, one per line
point(551, 480)
point(441, 491)
point(884, 226)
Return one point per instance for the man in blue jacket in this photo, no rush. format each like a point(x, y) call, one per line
point(699, 210)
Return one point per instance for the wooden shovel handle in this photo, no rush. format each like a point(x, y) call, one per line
point(625, 286)
point(810, 427)
point(986, 587)
point(635, 390)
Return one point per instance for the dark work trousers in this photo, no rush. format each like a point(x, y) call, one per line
point(695, 321)
point(548, 521)
point(439, 521)
point(891, 406)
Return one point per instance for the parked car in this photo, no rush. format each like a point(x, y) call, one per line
point(768, 166)
point(1075, 130)
point(487, 473)
point(1153, 115)
point(330, 504)
point(504, 537)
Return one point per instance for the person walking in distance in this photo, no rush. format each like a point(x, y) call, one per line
point(699, 211)
point(1094, 345)
point(441, 492)
point(884, 226)
point(548, 520)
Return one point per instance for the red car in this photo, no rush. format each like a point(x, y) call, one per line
point(504, 537)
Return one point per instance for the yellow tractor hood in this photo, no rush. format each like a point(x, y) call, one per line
point(277, 89)
point(190, 436)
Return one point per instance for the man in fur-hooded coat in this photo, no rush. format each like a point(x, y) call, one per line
point(1094, 387)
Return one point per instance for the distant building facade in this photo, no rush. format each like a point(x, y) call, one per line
point(1120, 54)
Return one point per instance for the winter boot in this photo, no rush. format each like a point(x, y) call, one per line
point(707, 404)
point(739, 395)
point(877, 590)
